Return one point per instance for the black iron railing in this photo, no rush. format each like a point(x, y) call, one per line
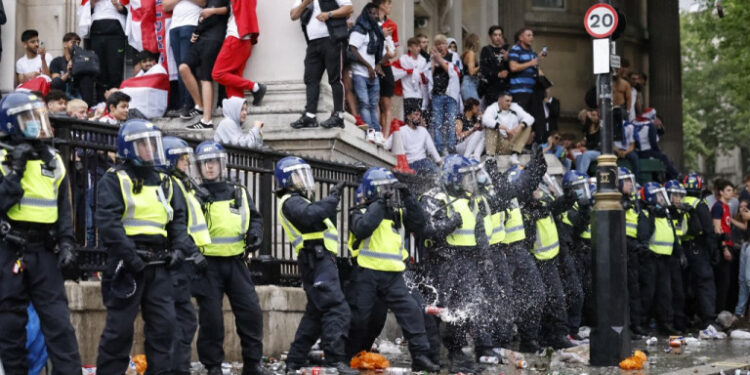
point(88, 148)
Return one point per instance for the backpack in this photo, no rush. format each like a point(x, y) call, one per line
point(85, 62)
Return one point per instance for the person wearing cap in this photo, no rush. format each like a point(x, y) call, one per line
point(309, 226)
point(37, 240)
point(142, 222)
point(236, 230)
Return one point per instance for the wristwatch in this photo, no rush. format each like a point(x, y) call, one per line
point(330, 15)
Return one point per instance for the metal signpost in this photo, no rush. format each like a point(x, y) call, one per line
point(610, 334)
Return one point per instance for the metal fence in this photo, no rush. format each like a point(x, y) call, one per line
point(88, 148)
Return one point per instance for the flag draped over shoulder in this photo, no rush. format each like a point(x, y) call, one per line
point(148, 93)
point(146, 28)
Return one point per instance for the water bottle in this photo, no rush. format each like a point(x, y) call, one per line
point(489, 359)
point(397, 371)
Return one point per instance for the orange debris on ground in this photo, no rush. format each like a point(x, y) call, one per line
point(635, 362)
point(369, 361)
point(140, 363)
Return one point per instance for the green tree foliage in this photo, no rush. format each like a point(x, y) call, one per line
point(715, 79)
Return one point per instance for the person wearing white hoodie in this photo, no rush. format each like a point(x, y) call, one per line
point(229, 131)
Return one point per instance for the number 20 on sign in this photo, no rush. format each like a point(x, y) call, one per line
point(600, 20)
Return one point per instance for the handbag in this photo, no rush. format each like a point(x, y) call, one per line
point(85, 62)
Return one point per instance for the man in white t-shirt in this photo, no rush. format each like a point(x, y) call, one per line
point(36, 59)
point(185, 15)
point(324, 25)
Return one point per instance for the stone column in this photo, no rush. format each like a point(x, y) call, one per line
point(665, 77)
point(8, 60)
point(512, 17)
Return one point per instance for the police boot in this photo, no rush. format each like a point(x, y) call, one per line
point(530, 346)
point(343, 368)
point(667, 330)
point(421, 362)
point(561, 342)
point(461, 363)
point(292, 367)
point(255, 369)
point(215, 371)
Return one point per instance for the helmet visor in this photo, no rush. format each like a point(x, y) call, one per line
point(473, 178)
point(660, 197)
point(676, 194)
point(185, 162)
point(551, 186)
point(213, 166)
point(301, 178)
point(148, 148)
point(582, 190)
point(33, 122)
point(627, 183)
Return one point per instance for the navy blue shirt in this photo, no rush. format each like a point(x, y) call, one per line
point(525, 80)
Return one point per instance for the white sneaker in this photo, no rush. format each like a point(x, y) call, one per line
point(379, 140)
point(514, 159)
point(370, 137)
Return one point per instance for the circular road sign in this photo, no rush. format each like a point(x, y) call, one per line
point(600, 20)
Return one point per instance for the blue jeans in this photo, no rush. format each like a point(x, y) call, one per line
point(744, 280)
point(424, 166)
point(469, 88)
point(444, 110)
point(583, 162)
point(179, 39)
point(367, 98)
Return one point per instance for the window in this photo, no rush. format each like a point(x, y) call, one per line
point(555, 4)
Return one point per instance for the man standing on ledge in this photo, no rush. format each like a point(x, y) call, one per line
point(324, 25)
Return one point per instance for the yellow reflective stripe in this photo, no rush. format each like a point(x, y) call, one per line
point(330, 236)
point(514, 229)
point(226, 240)
point(375, 254)
point(129, 200)
point(38, 202)
point(631, 225)
point(141, 223)
point(545, 248)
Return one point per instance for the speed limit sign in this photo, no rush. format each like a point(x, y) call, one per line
point(601, 20)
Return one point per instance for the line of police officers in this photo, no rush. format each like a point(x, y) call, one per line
point(498, 248)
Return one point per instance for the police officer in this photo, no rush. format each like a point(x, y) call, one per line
point(678, 261)
point(452, 259)
point(139, 214)
point(632, 207)
point(699, 243)
point(180, 165)
point(376, 241)
point(576, 225)
point(656, 232)
point(310, 228)
point(36, 237)
point(543, 242)
point(236, 231)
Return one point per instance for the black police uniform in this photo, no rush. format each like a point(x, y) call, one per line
point(635, 252)
point(554, 324)
point(154, 291)
point(578, 222)
point(40, 282)
point(229, 275)
point(700, 245)
point(327, 315)
point(371, 286)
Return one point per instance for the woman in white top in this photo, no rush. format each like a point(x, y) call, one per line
point(109, 42)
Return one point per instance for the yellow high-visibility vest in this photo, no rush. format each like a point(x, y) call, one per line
point(40, 191)
point(330, 235)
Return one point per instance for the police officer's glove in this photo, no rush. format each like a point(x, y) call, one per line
point(253, 244)
point(456, 221)
point(200, 262)
point(135, 264)
point(66, 258)
point(338, 188)
point(683, 260)
point(21, 153)
point(176, 257)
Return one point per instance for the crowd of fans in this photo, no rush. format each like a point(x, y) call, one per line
point(479, 102)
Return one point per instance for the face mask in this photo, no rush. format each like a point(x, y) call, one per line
point(32, 129)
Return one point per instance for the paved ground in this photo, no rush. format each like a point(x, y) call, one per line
point(702, 358)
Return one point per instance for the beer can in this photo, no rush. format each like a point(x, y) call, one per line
point(522, 364)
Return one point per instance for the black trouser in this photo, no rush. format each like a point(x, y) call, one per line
point(327, 314)
point(634, 287)
point(700, 279)
point(527, 291)
point(581, 253)
point(41, 283)
point(554, 319)
point(230, 276)
point(726, 280)
point(455, 275)
point(572, 289)
point(153, 295)
point(110, 48)
point(656, 286)
point(678, 294)
point(495, 274)
point(187, 322)
point(370, 287)
point(533, 103)
point(323, 55)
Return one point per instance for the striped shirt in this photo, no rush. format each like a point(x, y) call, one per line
point(525, 80)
